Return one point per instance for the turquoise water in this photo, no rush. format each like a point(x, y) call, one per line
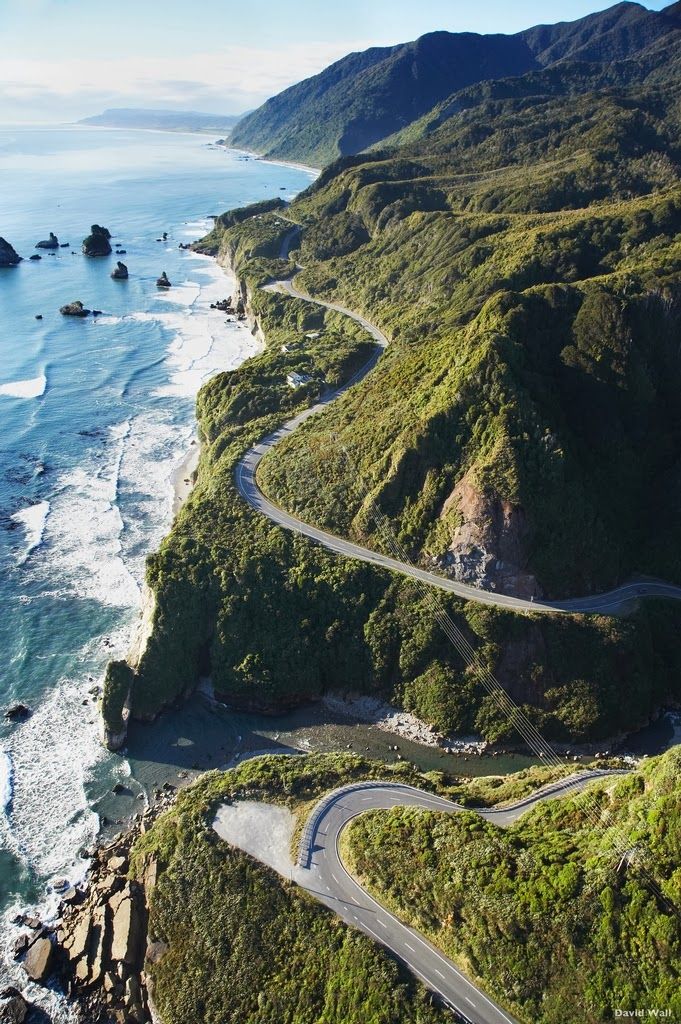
point(96, 416)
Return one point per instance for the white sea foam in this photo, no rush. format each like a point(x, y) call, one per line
point(52, 754)
point(5, 780)
point(204, 341)
point(33, 388)
point(33, 519)
point(81, 553)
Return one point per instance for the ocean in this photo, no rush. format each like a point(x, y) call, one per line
point(96, 415)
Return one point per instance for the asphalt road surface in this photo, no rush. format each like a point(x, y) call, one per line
point(321, 872)
point(612, 602)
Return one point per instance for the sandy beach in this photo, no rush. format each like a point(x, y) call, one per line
point(183, 477)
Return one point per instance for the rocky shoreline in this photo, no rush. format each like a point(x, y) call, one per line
point(402, 723)
point(98, 946)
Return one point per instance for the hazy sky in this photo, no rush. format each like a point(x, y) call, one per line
point(66, 59)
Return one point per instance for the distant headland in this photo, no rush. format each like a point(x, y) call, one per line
point(163, 120)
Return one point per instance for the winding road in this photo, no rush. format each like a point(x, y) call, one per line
point(322, 873)
point(264, 831)
point(612, 602)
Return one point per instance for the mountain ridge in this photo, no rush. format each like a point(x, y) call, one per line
point(366, 97)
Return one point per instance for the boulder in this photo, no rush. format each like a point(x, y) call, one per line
point(163, 281)
point(97, 242)
point(18, 712)
point(13, 1006)
point(20, 946)
point(8, 256)
point(120, 272)
point(128, 926)
point(35, 257)
point(74, 309)
point(48, 243)
point(38, 962)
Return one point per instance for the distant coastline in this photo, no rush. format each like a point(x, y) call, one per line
point(162, 120)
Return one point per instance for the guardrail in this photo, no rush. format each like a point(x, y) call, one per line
point(319, 810)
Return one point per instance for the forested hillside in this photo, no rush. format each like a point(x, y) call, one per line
point(366, 97)
point(522, 249)
point(567, 916)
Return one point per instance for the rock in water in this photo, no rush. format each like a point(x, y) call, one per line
point(48, 243)
point(97, 242)
point(13, 1006)
point(74, 309)
point(18, 712)
point(35, 256)
point(38, 962)
point(163, 281)
point(8, 256)
point(120, 273)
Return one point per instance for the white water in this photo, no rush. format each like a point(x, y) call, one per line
point(33, 520)
point(33, 388)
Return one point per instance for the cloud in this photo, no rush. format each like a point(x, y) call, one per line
point(235, 78)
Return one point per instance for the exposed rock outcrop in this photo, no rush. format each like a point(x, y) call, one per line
point(163, 282)
point(18, 712)
point(120, 272)
point(39, 959)
point(48, 243)
point(9, 257)
point(488, 544)
point(115, 726)
point(97, 242)
point(13, 1006)
point(102, 936)
point(75, 309)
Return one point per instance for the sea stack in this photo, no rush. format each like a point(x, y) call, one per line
point(163, 281)
point(48, 243)
point(8, 256)
point(120, 272)
point(74, 309)
point(97, 242)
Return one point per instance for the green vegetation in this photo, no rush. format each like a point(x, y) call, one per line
point(246, 947)
point(522, 250)
point(549, 914)
point(364, 98)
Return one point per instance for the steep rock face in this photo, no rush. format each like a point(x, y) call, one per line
point(488, 544)
point(115, 708)
point(9, 257)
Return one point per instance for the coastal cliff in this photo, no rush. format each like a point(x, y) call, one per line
point(191, 582)
point(120, 674)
